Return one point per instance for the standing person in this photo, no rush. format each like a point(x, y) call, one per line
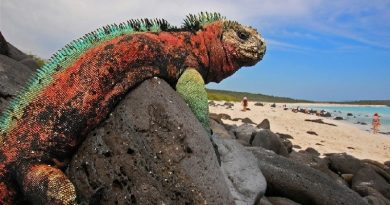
point(244, 103)
point(376, 123)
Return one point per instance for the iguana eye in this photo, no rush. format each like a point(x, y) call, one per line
point(243, 35)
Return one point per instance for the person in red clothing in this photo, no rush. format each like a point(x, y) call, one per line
point(376, 123)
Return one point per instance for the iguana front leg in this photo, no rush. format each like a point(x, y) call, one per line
point(43, 184)
point(192, 89)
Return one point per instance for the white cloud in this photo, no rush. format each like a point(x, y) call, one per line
point(44, 26)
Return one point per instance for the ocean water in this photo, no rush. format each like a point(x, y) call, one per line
point(362, 114)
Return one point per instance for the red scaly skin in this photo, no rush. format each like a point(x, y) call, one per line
point(81, 96)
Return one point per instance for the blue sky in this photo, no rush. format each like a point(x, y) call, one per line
point(317, 49)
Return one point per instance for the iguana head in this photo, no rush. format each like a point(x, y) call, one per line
point(242, 46)
point(230, 45)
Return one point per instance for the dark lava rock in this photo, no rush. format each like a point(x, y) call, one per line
point(273, 105)
point(216, 117)
point(15, 53)
point(264, 201)
point(220, 130)
point(212, 103)
point(338, 118)
point(326, 114)
point(307, 157)
point(259, 104)
point(349, 114)
point(13, 76)
point(29, 62)
point(320, 121)
point(367, 176)
point(282, 201)
point(372, 196)
point(287, 144)
point(149, 151)
point(297, 147)
point(247, 120)
point(264, 124)
point(343, 163)
point(301, 183)
point(269, 141)
point(244, 178)
point(225, 116)
point(244, 133)
point(284, 136)
point(312, 133)
point(312, 151)
point(3, 45)
point(228, 104)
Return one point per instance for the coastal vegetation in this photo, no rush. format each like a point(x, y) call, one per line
point(237, 96)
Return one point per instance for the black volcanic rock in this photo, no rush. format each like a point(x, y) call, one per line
point(264, 124)
point(13, 76)
point(3, 45)
point(301, 183)
point(149, 151)
point(343, 163)
point(367, 176)
point(270, 141)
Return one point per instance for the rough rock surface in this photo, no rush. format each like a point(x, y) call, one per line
point(244, 133)
point(15, 53)
point(270, 141)
point(264, 124)
point(150, 150)
point(343, 163)
point(367, 176)
point(243, 176)
point(13, 76)
point(29, 62)
point(300, 183)
point(220, 130)
point(3, 45)
point(281, 201)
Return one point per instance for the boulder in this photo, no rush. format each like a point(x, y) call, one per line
point(264, 124)
point(13, 76)
point(215, 117)
point(301, 183)
point(29, 62)
point(349, 114)
point(225, 116)
point(312, 133)
point(338, 118)
point(220, 130)
point(149, 151)
point(282, 201)
point(3, 45)
point(244, 178)
point(270, 141)
point(228, 104)
point(259, 104)
point(367, 176)
point(343, 163)
point(264, 201)
point(15, 53)
point(273, 105)
point(311, 159)
point(326, 114)
point(247, 120)
point(244, 133)
point(373, 197)
point(212, 103)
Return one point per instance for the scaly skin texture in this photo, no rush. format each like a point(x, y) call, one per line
point(81, 96)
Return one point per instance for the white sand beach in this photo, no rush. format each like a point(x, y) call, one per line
point(344, 137)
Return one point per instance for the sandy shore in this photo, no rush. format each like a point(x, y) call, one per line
point(344, 137)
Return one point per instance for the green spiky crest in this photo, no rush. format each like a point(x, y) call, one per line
point(196, 22)
point(64, 57)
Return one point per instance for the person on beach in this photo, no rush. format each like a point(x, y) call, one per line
point(376, 123)
point(244, 104)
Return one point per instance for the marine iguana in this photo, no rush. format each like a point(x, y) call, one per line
point(81, 83)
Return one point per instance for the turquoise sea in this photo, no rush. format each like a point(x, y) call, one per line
point(360, 114)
